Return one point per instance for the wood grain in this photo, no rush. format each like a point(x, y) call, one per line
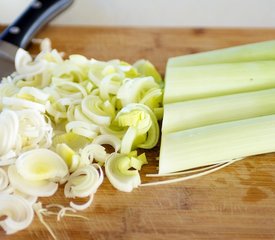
point(237, 202)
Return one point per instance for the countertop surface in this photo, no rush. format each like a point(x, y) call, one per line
point(237, 202)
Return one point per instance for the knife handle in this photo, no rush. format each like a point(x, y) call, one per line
point(40, 12)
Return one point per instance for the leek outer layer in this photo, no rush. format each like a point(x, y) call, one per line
point(243, 53)
point(216, 143)
point(196, 82)
point(201, 112)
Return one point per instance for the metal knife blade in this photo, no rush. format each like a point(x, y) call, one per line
point(7, 56)
point(18, 34)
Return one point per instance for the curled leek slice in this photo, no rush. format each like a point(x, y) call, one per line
point(67, 87)
point(143, 131)
point(85, 129)
point(19, 213)
point(108, 139)
point(34, 130)
point(146, 68)
point(153, 132)
point(93, 152)
point(57, 111)
point(18, 104)
point(9, 127)
point(110, 84)
point(133, 90)
point(153, 98)
point(24, 64)
point(93, 108)
point(31, 199)
point(41, 164)
point(8, 88)
point(84, 182)
point(117, 168)
point(33, 94)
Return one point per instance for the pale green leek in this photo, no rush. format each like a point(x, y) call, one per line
point(202, 112)
point(243, 53)
point(188, 83)
point(216, 143)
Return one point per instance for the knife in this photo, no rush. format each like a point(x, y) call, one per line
point(20, 32)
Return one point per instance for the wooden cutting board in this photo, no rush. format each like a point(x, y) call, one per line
point(237, 202)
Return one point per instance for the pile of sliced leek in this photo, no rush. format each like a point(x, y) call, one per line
point(58, 116)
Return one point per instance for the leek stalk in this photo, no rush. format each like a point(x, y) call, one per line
point(201, 112)
point(218, 79)
point(243, 53)
point(216, 143)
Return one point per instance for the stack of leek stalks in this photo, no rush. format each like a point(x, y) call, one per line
point(219, 106)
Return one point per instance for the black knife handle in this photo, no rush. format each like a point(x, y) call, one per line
point(39, 12)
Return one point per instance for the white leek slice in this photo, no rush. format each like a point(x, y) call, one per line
point(8, 88)
point(69, 87)
point(24, 64)
point(18, 104)
point(92, 107)
point(35, 130)
point(81, 207)
point(33, 94)
point(69, 71)
point(4, 180)
point(31, 199)
point(79, 115)
point(114, 130)
point(146, 68)
point(153, 98)
point(42, 188)
point(108, 139)
point(18, 211)
point(57, 114)
point(152, 127)
point(128, 70)
point(82, 183)
point(8, 159)
point(93, 152)
point(117, 170)
point(133, 90)
point(9, 127)
point(88, 130)
point(110, 84)
point(41, 164)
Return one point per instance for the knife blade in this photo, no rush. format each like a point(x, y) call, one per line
point(21, 31)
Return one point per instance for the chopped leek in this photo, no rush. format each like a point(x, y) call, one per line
point(118, 170)
point(57, 114)
point(18, 211)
